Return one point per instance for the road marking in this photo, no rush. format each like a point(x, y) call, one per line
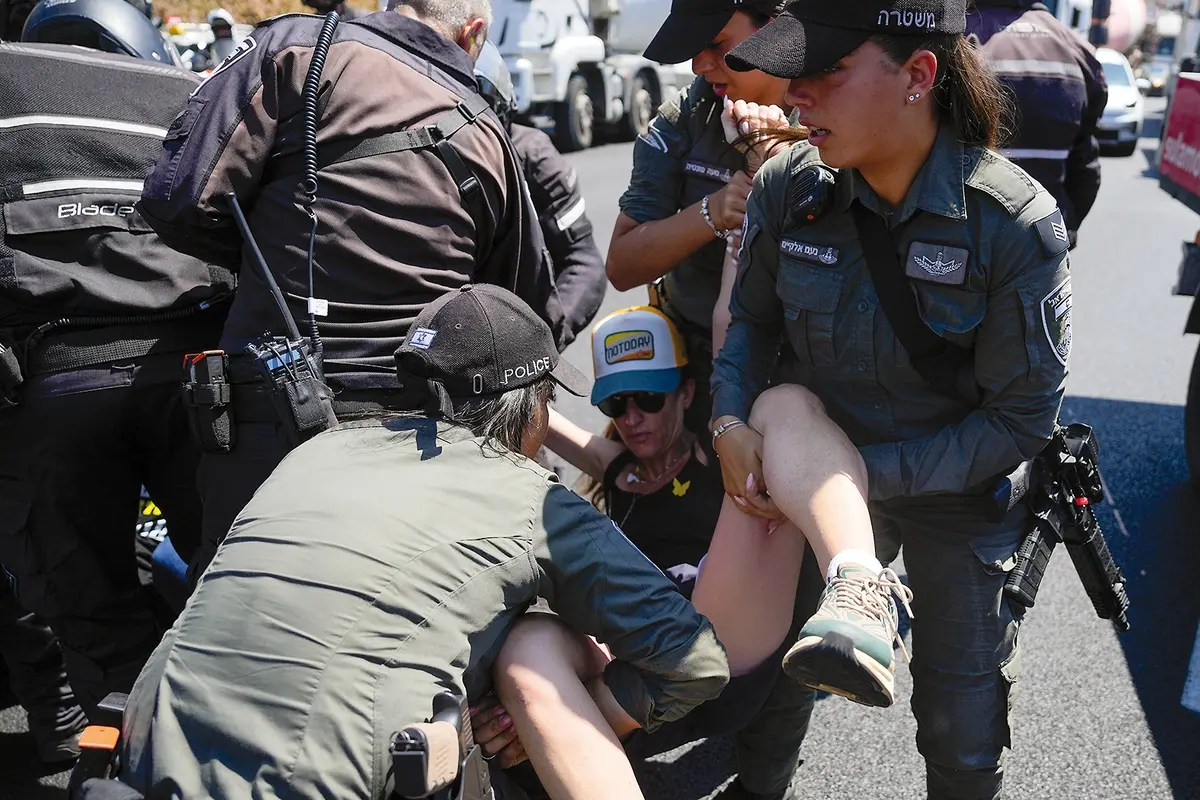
point(1191, 687)
point(1112, 503)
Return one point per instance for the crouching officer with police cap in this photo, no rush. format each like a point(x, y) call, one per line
point(419, 193)
point(96, 314)
point(924, 288)
point(385, 561)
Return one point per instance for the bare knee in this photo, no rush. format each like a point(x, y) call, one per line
point(786, 404)
point(790, 413)
point(540, 650)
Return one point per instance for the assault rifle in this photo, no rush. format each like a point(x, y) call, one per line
point(1065, 484)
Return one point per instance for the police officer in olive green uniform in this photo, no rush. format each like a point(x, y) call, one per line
point(384, 562)
point(983, 253)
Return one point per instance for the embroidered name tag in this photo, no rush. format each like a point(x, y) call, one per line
point(816, 253)
point(710, 171)
point(937, 263)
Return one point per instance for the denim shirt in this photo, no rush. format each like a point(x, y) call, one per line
point(682, 158)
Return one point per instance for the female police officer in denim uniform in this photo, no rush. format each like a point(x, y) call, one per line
point(895, 97)
point(689, 185)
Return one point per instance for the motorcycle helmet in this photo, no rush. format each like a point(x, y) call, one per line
point(219, 17)
point(113, 26)
point(495, 83)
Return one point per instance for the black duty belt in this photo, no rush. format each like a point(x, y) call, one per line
point(252, 402)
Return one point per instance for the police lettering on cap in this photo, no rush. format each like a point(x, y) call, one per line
point(813, 35)
point(479, 342)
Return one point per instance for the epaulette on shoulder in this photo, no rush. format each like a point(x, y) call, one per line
point(1000, 179)
point(802, 154)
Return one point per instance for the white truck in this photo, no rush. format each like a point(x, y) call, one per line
point(579, 62)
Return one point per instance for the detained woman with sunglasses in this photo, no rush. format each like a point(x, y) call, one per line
point(664, 490)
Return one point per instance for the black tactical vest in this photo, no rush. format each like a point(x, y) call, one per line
point(79, 131)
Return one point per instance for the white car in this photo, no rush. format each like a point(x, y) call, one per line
point(1121, 124)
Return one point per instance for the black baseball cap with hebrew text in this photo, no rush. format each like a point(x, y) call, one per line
point(813, 35)
point(479, 342)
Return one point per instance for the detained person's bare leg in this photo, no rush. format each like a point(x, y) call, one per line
point(550, 681)
point(549, 678)
point(747, 583)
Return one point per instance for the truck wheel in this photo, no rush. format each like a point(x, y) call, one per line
point(1191, 423)
point(575, 122)
point(641, 109)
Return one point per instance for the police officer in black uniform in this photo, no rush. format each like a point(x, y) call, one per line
point(1059, 93)
point(96, 314)
point(554, 187)
point(419, 192)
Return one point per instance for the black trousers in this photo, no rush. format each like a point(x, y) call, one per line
point(36, 672)
point(76, 453)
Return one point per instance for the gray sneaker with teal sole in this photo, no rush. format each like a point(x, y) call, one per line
point(846, 647)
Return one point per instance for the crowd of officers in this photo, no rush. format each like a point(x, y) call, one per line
point(120, 253)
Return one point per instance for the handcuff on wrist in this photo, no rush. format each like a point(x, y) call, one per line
point(719, 233)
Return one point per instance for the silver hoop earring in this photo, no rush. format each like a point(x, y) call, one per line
point(912, 98)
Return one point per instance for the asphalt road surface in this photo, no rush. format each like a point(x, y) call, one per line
point(1098, 715)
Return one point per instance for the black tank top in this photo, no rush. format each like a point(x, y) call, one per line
point(674, 524)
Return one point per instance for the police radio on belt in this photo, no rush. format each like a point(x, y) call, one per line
point(291, 366)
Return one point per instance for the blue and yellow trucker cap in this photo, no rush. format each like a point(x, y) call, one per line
point(636, 350)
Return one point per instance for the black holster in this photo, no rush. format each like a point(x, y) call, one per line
point(208, 398)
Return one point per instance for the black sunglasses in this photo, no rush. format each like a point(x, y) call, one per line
point(650, 402)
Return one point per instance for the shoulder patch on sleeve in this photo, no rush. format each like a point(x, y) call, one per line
point(1056, 320)
point(1053, 233)
point(1000, 179)
point(654, 138)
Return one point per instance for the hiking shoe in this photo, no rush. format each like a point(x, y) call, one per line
point(846, 647)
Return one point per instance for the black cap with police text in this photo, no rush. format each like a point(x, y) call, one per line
point(813, 35)
point(693, 24)
point(479, 342)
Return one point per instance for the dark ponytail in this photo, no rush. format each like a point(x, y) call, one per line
point(969, 96)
